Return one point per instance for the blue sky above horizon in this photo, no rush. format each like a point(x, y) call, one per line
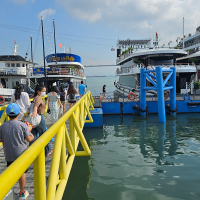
point(90, 28)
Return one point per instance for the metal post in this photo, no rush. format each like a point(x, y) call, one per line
point(55, 40)
point(39, 177)
point(45, 75)
point(160, 94)
point(31, 50)
point(183, 35)
point(173, 91)
point(142, 91)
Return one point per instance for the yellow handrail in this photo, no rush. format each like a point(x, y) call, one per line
point(61, 162)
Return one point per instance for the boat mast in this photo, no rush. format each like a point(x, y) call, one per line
point(183, 34)
point(54, 39)
point(45, 75)
point(31, 50)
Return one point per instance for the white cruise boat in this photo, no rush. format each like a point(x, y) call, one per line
point(139, 55)
point(14, 72)
point(61, 69)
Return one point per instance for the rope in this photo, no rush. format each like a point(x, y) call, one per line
point(170, 110)
point(141, 110)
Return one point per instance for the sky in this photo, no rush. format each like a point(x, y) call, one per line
point(92, 27)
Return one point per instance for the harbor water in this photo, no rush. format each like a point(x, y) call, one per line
point(138, 158)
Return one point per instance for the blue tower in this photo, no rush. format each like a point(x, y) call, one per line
point(160, 86)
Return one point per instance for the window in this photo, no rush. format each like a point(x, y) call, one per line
point(8, 64)
point(13, 65)
point(18, 64)
point(23, 65)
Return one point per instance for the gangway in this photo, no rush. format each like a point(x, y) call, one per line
point(64, 152)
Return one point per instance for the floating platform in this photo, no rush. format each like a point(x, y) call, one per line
point(185, 104)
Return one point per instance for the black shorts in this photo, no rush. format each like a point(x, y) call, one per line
point(10, 162)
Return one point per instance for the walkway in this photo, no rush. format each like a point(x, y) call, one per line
point(29, 174)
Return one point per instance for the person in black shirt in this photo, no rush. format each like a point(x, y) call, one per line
point(104, 91)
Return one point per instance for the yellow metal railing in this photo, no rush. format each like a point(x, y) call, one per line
point(61, 163)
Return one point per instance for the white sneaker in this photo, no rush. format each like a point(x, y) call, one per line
point(24, 195)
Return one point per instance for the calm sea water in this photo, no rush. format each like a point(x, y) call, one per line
point(95, 84)
point(137, 158)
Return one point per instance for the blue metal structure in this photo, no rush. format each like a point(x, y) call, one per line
point(160, 85)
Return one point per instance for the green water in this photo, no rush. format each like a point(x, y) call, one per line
point(136, 158)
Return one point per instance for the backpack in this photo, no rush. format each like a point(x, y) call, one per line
point(62, 96)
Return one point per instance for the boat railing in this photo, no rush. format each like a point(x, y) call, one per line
point(127, 70)
point(172, 65)
point(10, 71)
point(127, 54)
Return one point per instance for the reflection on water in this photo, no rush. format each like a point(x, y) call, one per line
point(139, 158)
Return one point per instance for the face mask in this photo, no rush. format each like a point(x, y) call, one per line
point(43, 94)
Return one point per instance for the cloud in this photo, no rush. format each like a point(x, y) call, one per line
point(46, 12)
point(138, 18)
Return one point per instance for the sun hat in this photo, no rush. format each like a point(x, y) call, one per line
point(12, 109)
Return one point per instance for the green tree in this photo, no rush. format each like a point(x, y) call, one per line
point(193, 60)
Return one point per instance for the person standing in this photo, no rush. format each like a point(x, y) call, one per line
point(53, 100)
point(71, 92)
point(43, 91)
point(13, 134)
point(104, 91)
point(21, 98)
point(63, 95)
point(82, 89)
point(38, 109)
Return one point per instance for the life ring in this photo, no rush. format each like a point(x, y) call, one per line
point(2, 100)
point(166, 95)
point(130, 94)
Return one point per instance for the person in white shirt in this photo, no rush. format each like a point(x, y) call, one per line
point(21, 98)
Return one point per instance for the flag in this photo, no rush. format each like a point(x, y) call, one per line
point(15, 40)
point(60, 45)
point(17, 45)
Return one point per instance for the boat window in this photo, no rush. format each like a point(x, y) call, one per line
point(18, 64)
point(23, 65)
point(13, 65)
point(8, 64)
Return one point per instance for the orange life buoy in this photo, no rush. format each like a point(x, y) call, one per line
point(166, 95)
point(130, 94)
point(100, 98)
point(2, 100)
